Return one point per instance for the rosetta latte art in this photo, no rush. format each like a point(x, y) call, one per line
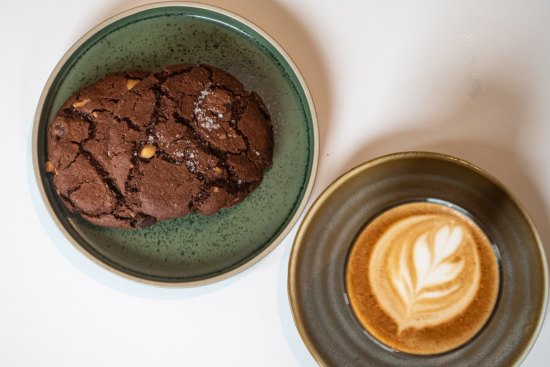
point(426, 281)
point(422, 278)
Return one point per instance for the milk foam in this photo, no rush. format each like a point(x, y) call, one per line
point(424, 270)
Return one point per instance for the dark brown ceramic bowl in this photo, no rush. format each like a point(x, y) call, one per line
point(317, 263)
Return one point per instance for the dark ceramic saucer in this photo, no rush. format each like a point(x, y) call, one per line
point(316, 280)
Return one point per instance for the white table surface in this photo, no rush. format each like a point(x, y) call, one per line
point(468, 78)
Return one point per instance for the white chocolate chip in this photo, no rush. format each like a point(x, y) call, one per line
point(147, 151)
point(49, 167)
point(82, 103)
point(131, 83)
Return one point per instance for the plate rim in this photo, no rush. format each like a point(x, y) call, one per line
point(316, 206)
point(315, 134)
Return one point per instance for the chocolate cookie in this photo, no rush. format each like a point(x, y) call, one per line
point(135, 148)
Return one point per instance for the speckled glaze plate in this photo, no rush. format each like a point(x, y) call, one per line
point(191, 250)
point(316, 281)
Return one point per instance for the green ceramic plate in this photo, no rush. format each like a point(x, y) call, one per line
point(317, 262)
point(194, 249)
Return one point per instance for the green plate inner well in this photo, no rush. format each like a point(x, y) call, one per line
point(194, 247)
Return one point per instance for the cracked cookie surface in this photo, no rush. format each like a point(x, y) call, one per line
point(136, 147)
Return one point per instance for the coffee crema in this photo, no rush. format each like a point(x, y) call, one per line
point(422, 278)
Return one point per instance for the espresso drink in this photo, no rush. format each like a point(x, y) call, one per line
point(422, 278)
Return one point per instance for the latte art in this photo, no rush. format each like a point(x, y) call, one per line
point(422, 278)
point(425, 280)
